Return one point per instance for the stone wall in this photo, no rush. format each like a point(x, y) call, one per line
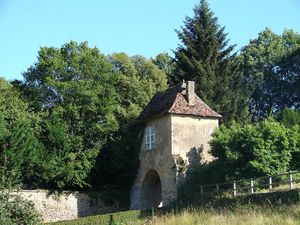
point(65, 206)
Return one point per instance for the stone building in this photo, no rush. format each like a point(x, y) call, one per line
point(178, 124)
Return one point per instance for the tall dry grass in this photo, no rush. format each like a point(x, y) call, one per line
point(244, 215)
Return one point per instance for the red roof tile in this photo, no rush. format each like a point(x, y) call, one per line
point(174, 101)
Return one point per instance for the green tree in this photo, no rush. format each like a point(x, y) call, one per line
point(138, 81)
point(271, 68)
point(24, 152)
point(76, 83)
point(264, 148)
point(205, 57)
point(289, 117)
point(12, 107)
point(20, 149)
point(167, 64)
point(87, 102)
point(63, 166)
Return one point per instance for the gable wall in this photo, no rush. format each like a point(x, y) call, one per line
point(191, 132)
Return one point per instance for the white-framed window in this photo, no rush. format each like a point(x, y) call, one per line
point(150, 138)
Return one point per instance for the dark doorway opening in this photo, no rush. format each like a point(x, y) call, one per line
point(151, 194)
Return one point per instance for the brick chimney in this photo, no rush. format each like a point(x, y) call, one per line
point(190, 92)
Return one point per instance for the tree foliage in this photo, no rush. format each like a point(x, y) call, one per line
point(19, 145)
point(289, 117)
point(79, 80)
point(73, 88)
point(265, 148)
point(167, 64)
point(271, 67)
point(138, 81)
point(85, 103)
point(205, 57)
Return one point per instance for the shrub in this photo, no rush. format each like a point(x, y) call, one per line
point(14, 210)
point(254, 150)
point(242, 152)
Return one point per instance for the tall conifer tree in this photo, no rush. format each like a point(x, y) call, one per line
point(205, 57)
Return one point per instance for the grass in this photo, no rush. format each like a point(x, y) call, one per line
point(244, 215)
point(118, 218)
point(240, 215)
point(259, 209)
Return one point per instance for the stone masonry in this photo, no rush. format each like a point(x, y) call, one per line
point(65, 206)
point(182, 125)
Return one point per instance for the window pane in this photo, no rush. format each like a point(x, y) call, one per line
point(150, 138)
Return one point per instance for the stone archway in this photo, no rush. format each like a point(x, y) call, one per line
point(151, 193)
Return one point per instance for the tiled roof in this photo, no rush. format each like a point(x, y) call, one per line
point(174, 101)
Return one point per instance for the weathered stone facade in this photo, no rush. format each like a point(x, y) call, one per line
point(175, 135)
point(183, 126)
point(190, 133)
point(159, 160)
point(65, 206)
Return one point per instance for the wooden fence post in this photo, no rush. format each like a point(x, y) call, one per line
point(201, 189)
point(234, 189)
point(217, 187)
point(291, 179)
point(251, 186)
point(270, 183)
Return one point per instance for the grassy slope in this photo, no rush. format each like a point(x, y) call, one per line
point(269, 208)
point(241, 215)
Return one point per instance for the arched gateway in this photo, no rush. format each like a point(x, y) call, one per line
point(151, 194)
point(177, 122)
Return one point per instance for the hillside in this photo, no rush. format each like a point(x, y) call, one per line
point(263, 208)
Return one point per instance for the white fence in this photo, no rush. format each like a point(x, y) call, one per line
point(283, 181)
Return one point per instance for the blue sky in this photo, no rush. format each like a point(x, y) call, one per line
point(144, 27)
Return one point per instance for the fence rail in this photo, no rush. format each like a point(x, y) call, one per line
point(255, 185)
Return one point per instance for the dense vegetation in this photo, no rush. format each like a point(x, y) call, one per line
point(67, 124)
point(246, 151)
point(206, 58)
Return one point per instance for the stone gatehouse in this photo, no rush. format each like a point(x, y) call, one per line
point(177, 122)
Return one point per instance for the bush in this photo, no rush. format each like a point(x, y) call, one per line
point(242, 152)
point(189, 190)
point(265, 148)
point(15, 210)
